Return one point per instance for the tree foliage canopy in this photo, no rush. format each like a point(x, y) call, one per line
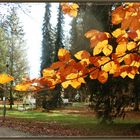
point(115, 54)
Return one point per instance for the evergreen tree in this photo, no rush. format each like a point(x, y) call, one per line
point(59, 33)
point(47, 48)
point(16, 50)
point(52, 41)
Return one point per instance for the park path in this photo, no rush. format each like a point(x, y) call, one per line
point(9, 132)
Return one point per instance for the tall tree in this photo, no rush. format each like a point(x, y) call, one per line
point(3, 50)
point(47, 42)
point(16, 49)
point(52, 41)
point(59, 33)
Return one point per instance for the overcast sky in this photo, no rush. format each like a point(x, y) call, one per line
point(32, 25)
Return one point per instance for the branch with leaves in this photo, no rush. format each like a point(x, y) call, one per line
point(115, 53)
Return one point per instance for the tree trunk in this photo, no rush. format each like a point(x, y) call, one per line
point(11, 96)
point(136, 101)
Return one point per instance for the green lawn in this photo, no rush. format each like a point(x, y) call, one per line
point(56, 116)
point(87, 123)
point(61, 117)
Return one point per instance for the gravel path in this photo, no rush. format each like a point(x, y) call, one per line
point(4, 131)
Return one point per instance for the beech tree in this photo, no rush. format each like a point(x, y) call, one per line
point(114, 54)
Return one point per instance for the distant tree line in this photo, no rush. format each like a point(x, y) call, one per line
point(108, 100)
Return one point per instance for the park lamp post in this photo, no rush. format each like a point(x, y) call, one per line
point(4, 97)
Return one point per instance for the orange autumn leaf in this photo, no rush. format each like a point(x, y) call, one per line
point(118, 32)
point(138, 35)
point(82, 55)
point(107, 67)
point(96, 36)
point(21, 87)
point(129, 71)
point(72, 76)
point(26, 87)
point(76, 83)
point(5, 78)
point(128, 15)
point(94, 60)
point(63, 54)
point(128, 59)
point(107, 50)
point(48, 82)
point(132, 72)
point(70, 9)
point(94, 73)
point(121, 48)
point(85, 62)
point(131, 45)
point(110, 67)
point(91, 33)
point(102, 77)
point(48, 72)
point(103, 60)
point(57, 65)
point(65, 84)
point(99, 47)
point(118, 15)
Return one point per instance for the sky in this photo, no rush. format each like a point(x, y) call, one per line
point(32, 26)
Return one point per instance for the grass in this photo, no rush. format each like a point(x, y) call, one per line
point(79, 122)
point(54, 117)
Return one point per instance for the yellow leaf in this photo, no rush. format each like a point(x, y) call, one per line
point(65, 84)
point(114, 67)
point(121, 48)
point(70, 9)
point(99, 47)
point(110, 67)
point(75, 6)
point(107, 67)
point(107, 50)
point(128, 59)
point(131, 45)
point(63, 54)
point(5, 78)
point(135, 63)
point(48, 72)
point(85, 62)
point(72, 76)
point(107, 34)
point(118, 32)
point(138, 35)
point(102, 77)
point(73, 13)
point(123, 74)
point(82, 55)
point(103, 60)
point(26, 87)
point(77, 82)
point(131, 75)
